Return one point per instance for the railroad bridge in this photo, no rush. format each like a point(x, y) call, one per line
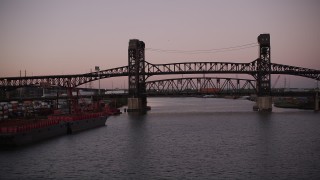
point(139, 70)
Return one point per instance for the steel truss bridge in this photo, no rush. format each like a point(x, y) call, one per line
point(201, 86)
point(192, 86)
point(139, 70)
point(213, 86)
point(76, 80)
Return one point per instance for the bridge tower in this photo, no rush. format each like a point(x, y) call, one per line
point(264, 99)
point(137, 100)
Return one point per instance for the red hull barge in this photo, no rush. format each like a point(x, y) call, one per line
point(21, 132)
point(80, 117)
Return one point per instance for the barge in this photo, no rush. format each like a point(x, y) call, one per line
point(78, 115)
point(21, 132)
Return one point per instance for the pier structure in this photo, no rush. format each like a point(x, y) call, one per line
point(137, 100)
point(316, 101)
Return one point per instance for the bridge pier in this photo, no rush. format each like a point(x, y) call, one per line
point(135, 104)
point(264, 104)
point(316, 101)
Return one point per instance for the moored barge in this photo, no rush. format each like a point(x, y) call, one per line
point(78, 115)
point(21, 132)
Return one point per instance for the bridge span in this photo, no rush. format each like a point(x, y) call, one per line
point(76, 80)
point(139, 70)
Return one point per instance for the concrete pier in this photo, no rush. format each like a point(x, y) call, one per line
point(264, 103)
point(134, 104)
point(316, 101)
point(137, 105)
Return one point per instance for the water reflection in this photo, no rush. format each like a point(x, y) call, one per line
point(137, 145)
point(181, 138)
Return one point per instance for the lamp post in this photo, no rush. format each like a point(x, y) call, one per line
point(97, 68)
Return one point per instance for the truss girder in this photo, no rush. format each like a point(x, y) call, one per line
point(62, 80)
point(160, 69)
point(227, 68)
point(294, 70)
point(201, 85)
point(199, 67)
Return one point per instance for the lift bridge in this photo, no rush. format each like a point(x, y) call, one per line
point(139, 70)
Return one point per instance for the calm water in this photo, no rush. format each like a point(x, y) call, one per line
point(180, 138)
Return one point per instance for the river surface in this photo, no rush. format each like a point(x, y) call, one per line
point(180, 138)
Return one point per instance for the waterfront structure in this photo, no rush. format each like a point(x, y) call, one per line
point(139, 70)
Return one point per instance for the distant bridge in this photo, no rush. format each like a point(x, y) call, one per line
point(139, 70)
point(201, 86)
point(191, 86)
point(76, 80)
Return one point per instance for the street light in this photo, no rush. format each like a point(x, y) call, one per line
point(97, 68)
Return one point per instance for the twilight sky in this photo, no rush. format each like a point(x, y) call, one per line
point(70, 37)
